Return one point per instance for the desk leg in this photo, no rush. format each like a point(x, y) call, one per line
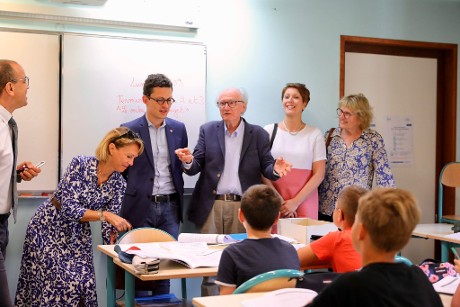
point(184, 288)
point(444, 251)
point(110, 282)
point(129, 289)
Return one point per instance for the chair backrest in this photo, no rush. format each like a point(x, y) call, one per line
point(402, 259)
point(449, 177)
point(270, 281)
point(145, 235)
point(450, 174)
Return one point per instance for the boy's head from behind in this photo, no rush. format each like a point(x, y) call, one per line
point(260, 206)
point(347, 204)
point(389, 216)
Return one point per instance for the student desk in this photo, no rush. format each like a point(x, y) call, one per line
point(438, 231)
point(168, 270)
point(233, 300)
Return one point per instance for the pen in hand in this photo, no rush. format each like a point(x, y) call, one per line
point(454, 251)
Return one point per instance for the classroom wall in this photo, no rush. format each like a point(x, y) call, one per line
point(262, 44)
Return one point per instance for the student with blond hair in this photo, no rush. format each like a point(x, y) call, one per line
point(384, 223)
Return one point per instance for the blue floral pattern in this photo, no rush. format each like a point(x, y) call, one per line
point(57, 262)
point(355, 165)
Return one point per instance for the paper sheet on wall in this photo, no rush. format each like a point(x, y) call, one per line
point(399, 140)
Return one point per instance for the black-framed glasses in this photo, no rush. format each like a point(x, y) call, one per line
point(230, 103)
point(127, 135)
point(25, 79)
point(162, 100)
point(345, 114)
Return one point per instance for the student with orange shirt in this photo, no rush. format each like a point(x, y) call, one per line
point(336, 247)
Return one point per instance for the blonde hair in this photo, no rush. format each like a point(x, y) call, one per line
point(120, 137)
point(348, 201)
point(359, 104)
point(389, 216)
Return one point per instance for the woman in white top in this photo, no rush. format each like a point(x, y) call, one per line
point(304, 147)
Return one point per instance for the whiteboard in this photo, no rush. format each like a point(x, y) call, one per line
point(102, 87)
point(38, 122)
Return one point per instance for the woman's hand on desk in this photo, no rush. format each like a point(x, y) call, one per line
point(117, 221)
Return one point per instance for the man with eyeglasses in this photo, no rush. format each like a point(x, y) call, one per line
point(14, 85)
point(155, 189)
point(231, 155)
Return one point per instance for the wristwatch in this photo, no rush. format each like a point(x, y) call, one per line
point(100, 215)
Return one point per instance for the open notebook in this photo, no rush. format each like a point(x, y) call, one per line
point(192, 255)
point(447, 285)
point(211, 238)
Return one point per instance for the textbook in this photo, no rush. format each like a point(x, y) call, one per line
point(191, 254)
point(212, 238)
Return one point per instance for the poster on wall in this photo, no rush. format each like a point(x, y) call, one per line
point(400, 143)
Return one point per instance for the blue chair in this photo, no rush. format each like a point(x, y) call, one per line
point(403, 260)
point(270, 281)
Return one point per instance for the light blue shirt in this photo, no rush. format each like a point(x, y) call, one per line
point(229, 181)
point(162, 182)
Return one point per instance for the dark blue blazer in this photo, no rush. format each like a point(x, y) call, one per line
point(140, 176)
point(209, 160)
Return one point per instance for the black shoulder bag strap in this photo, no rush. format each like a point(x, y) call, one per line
point(275, 129)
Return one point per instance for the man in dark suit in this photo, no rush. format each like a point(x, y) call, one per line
point(231, 155)
point(154, 194)
point(155, 189)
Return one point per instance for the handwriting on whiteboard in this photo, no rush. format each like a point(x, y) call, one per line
point(128, 104)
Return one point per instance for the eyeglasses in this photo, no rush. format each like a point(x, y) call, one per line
point(162, 100)
point(231, 103)
point(344, 113)
point(128, 135)
point(25, 79)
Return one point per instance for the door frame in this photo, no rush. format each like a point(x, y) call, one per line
point(446, 93)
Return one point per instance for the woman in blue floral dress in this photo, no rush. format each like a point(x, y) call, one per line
point(57, 262)
point(355, 154)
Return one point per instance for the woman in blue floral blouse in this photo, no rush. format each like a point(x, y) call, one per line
point(355, 154)
point(57, 262)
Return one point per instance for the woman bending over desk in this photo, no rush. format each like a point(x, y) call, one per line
point(57, 262)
